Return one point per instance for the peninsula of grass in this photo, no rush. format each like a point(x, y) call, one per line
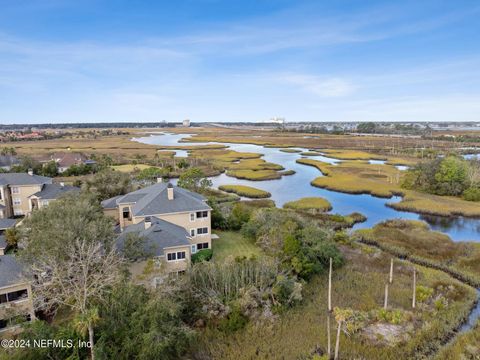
point(245, 191)
point(290, 150)
point(415, 241)
point(398, 333)
point(309, 204)
point(255, 175)
point(352, 155)
point(320, 165)
point(358, 177)
point(287, 172)
point(310, 153)
point(254, 164)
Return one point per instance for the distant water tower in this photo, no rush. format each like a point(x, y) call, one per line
point(186, 123)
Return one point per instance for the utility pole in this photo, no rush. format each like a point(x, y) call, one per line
point(391, 271)
point(329, 350)
point(414, 288)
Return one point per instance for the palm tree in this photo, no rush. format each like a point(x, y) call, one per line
point(84, 323)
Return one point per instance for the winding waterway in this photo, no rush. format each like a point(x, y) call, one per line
point(296, 186)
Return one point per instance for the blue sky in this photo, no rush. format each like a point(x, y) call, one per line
point(207, 60)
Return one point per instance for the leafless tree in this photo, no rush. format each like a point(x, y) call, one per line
point(68, 249)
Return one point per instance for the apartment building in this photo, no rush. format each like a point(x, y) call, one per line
point(174, 221)
point(16, 305)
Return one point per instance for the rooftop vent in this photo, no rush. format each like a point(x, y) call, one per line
point(170, 191)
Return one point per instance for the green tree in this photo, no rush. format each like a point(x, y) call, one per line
point(49, 169)
point(152, 174)
point(136, 247)
point(137, 324)
point(11, 237)
point(451, 176)
point(194, 179)
point(109, 183)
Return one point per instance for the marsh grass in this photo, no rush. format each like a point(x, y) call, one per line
point(309, 204)
point(359, 285)
point(246, 191)
point(414, 240)
point(359, 177)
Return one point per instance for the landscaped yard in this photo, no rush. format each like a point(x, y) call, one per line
point(232, 244)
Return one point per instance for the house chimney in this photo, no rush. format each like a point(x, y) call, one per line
point(170, 191)
point(159, 179)
point(30, 172)
point(148, 222)
point(62, 184)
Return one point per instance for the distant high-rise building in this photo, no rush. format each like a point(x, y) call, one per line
point(186, 123)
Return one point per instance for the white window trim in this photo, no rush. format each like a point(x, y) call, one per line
point(176, 256)
point(16, 201)
point(194, 232)
point(194, 249)
point(15, 190)
point(203, 234)
point(194, 217)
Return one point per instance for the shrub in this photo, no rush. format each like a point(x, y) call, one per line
point(202, 255)
point(472, 194)
point(423, 293)
point(234, 321)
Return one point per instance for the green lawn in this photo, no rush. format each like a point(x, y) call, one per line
point(232, 243)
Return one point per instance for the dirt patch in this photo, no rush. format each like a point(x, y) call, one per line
point(387, 334)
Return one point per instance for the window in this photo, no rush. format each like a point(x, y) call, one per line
point(176, 256)
point(192, 216)
point(202, 214)
point(202, 246)
point(192, 232)
point(194, 249)
point(17, 201)
point(15, 190)
point(17, 295)
point(126, 213)
point(44, 202)
point(17, 212)
point(14, 296)
point(202, 231)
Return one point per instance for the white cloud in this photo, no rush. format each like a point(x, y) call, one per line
point(322, 86)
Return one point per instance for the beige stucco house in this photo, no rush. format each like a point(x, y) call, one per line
point(16, 305)
point(21, 193)
point(15, 190)
point(175, 222)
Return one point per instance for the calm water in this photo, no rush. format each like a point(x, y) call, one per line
point(296, 186)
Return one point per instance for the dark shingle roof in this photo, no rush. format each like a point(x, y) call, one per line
point(153, 200)
point(161, 234)
point(53, 191)
point(7, 223)
point(10, 271)
point(23, 179)
point(111, 203)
